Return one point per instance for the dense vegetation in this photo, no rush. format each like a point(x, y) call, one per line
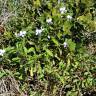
point(49, 46)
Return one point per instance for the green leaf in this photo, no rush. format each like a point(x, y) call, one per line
point(10, 49)
point(25, 50)
point(31, 50)
point(55, 41)
point(37, 3)
point(2, 74)
point(49, 52)
point(20, 77)
point(16, 59)
point(71, 45)
point(66, 27)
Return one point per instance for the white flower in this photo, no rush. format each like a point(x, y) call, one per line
point(65, 44)
point(2, 52)
point(63, 10)
point(39, 31)
point(21, 34)
point(49, 20)
point(58, 1)
point(69, 17)
point(16, 34)
point(48, 37)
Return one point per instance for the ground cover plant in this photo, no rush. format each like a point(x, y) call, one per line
point(49, 46)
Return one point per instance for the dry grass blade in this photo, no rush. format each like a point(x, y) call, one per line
point(9, 87)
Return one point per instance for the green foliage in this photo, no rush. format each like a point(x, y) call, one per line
point(40, 53)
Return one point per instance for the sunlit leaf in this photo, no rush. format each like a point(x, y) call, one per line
point(55, 41)
point(49, 52)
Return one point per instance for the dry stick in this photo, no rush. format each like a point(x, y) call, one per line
point(5, 15)
point(6, 18)
point(7, 94)
point(61, 90)
point(3, 81)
